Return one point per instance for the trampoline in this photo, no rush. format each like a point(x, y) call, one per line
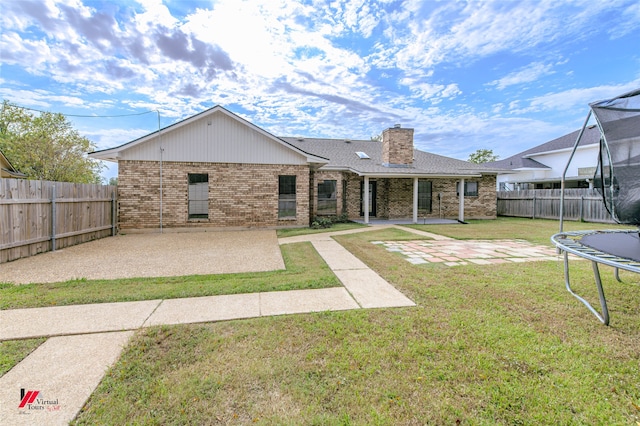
point(617, 179)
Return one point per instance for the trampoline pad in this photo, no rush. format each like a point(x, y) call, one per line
point(621, 244)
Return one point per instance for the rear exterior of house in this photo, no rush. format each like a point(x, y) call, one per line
point(403, 183)
point(216, 169)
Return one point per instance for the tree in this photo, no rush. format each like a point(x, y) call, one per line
point(483, 156)
point(46, 146)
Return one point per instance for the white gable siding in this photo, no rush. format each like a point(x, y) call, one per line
point(216, 138)
point(584, 158)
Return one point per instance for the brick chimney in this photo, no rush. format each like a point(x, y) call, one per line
point(397, 146)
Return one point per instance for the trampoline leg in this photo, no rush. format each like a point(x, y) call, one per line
point(604, 318)
point(603, 300)
point(616, 273)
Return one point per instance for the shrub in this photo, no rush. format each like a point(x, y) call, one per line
point(321, 223)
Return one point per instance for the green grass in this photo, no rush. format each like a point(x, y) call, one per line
point(501, 344)
point(293, 232)
point(14, 351)
point(537, 231)
point(305, 269)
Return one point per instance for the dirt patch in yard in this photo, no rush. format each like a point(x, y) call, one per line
point(151, 255)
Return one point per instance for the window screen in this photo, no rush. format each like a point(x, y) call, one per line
point(198, 196)
point(327, 200)
point(424, 195)
point(470, 189)
point(286, 197)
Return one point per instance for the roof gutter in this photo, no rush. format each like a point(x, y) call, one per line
point(414, 175)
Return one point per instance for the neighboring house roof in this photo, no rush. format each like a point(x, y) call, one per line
point(523, 159)
point(343, 156)
point(7, 169)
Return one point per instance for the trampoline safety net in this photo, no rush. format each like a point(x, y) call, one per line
point(617, 175)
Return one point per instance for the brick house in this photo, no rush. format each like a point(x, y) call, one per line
point(216, 169)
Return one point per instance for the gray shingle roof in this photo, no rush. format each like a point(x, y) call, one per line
point(591, 136)
point(342, 155)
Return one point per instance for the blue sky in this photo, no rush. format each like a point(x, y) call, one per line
point(501, 75)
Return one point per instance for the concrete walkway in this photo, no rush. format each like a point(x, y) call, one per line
point(53, 383)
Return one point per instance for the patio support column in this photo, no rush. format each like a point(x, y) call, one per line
point(415, 200)
point(365, 200)
point(461, 206)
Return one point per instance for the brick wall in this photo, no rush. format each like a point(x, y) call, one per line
point(240, 195)
point(484, 206)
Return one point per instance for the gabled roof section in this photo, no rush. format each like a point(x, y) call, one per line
point(522, 160)
point(191, 134)
point(342, 155)
point(7, 168)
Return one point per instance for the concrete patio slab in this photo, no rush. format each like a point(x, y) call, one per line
point(302, 301)
point(371, 290)
point(206, 309)
point(75, 319)
point(152, 255)
point(64, 371)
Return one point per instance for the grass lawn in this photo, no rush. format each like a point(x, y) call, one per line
point(305, 269)
point(537, 231)
point(499, 344)
point(292, 232)
point(14, 351)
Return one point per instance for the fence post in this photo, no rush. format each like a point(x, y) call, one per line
point(582, 208)
point(113, 213)
point(533, 213)
point(53, 218)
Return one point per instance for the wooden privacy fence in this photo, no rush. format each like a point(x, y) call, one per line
point(579, 204)
point(38, 216)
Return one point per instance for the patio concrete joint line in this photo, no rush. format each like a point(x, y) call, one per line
point(206, 309)
point(151, 313)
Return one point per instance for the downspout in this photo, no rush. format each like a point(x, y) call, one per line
point(461, 205)
point(161, 150)
point(366, 199)
point(415, 200)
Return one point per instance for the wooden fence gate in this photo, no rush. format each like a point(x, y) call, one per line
point(579, 204)
point(38, 216)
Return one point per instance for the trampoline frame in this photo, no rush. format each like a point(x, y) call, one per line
point(569, 242)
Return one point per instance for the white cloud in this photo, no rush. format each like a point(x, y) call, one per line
point(578, 99)
point(528, 74)
point(319, 68)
